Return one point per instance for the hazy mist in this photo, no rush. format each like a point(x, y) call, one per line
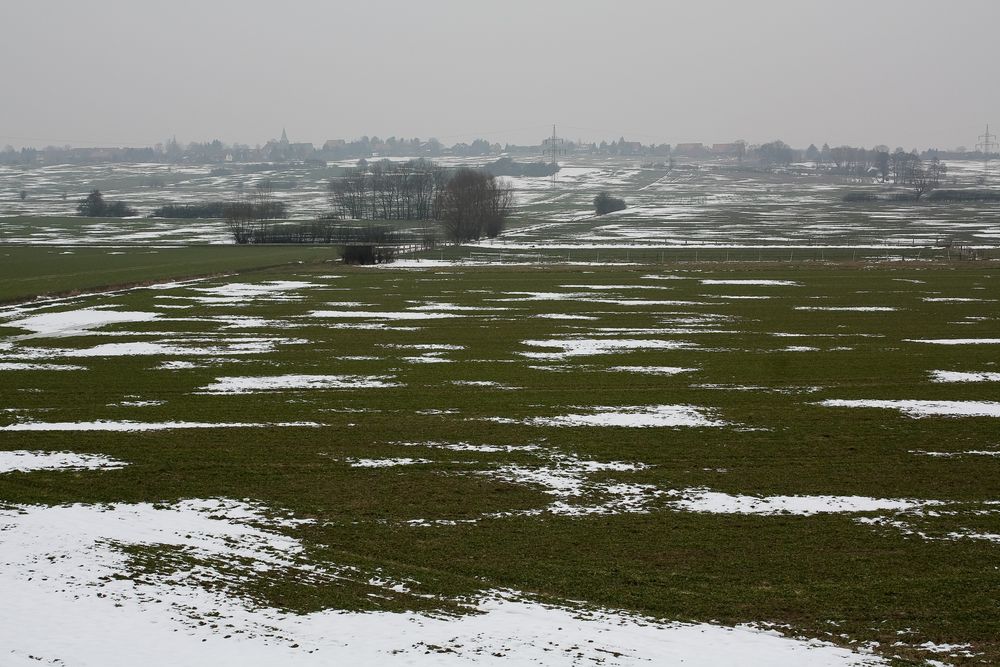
point(130, 72)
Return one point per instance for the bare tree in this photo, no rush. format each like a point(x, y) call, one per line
point(472, 204)
point(386, 191)
point(240, 218)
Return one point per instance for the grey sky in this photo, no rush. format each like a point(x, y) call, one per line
point(913, 73)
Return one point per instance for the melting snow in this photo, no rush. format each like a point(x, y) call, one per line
point(103, 425)
point(76, 322)
point(17, 366)
point(955, 341)
point(249, 385)
point(861, 309)
point(564, 316)
point(751, 282)
point(578, 347)
point(917, 409)
point(703, 500)
point(955, 376)
point(25, 461)
point(385, 463)
point(381, 315)
point(66, 603)
point(631, 416)
point(653, 370)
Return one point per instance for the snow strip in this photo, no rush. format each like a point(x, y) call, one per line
point(21, 460)
point(714, 502)
point(249, 385)
point(102, 425)
point(75, 322)
point(564, 316)
point(954, 341)
point(17, 366)
point(579, 347)
point(385, 463)
point(918, 409)
point(859, 309)
point(750, 282)
point(382, 315)
point(630, 416)
point(240, 293)
point(653, 370)
point(956, 376)
point(234, 347)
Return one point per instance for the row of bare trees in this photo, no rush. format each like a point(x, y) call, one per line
point(468, 203)
point(387, 191)
point(248, 217)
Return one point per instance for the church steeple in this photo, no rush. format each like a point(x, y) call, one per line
point(284, 137)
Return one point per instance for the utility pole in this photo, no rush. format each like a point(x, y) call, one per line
point(555, 147)
point(987, 143)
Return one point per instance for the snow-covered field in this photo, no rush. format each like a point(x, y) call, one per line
point(698, 205)
point(153, 439)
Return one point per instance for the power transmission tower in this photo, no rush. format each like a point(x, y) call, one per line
point(987, 143)
point(555, 147)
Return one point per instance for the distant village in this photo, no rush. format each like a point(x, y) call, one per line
point(285, 151)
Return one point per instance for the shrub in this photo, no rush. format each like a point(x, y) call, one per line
point(94, 206)
point(211, 209)
point(368, 254)
point(605, 203)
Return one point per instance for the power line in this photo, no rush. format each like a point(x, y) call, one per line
point(555, 147)
point(987, 142)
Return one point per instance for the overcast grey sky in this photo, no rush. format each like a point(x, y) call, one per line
point(911, 73)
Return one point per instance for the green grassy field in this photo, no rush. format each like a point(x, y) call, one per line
point(30, 271)
point(454, 521)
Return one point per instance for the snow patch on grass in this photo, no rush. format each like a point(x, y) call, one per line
point(385, 463)
point(714, 502)
point(918, 409)
point(580, 347)
point(21, 460)
point(127, 426)
point(628, 416)
point(20, 366)
point(858, 309)
point(250, 385)
point(712, 281)
point(956, 376)
point(381, 315)
point(65, 601)
point(77, 322)
point(954, 341)
point(653, 370)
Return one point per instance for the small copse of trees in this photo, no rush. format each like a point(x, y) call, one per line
point(387, 190)
point(605, 203)
point(209, 209)
point(95, 206)
point(467, 204)
point(473, 204)
point(248, 217)
point(505, 166)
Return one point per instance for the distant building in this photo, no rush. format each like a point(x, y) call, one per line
point(334, 144)
point(726, 149)
point(630, 147)
point(690, 149)
point(301, 150)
